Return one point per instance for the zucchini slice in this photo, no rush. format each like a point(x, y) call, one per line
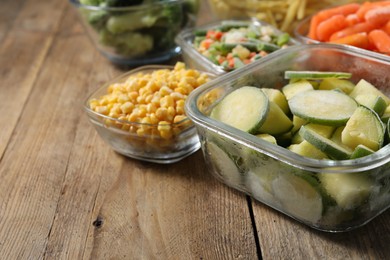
point(224, 165)
point(245, 108)
point(329, 147)
point(289, 74)
point(325, 107)
point(364, 127)
point(299, 197)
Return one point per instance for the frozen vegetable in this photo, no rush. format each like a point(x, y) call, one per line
point(324, 198)
point(138, 31)
point(152, 99)
point(361, 25)
point(236, 43)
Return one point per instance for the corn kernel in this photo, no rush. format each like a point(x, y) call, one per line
point(161, 113)
point(102, 110)
point(167, 101)
point(127, 107)
point(179, 118)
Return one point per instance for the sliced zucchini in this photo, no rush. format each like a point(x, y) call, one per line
point(386, 115)
point(226, 168)
point(294, 88)
point(329, 147)
point(375, 102)
point(333, 83)
point(299, 196)
point(316, 75)
point(361, 151)
point(297, 122)
point(276, 122)
point(308, 150)
point(267, 137)
point(364, 127)
point(324, 130)
point(364, 87)
point(276, 96)
point(349, 190)
point(245, 108)
point(323, 107)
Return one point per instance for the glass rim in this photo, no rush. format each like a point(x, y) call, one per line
point(77, 4)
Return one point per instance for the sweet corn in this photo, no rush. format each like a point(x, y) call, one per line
point(156, 98)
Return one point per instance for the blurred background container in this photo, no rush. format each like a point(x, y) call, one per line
point(136, 32)
point(283, 14)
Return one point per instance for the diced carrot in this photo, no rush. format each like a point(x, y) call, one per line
point(358, 40)
point(231, 63)
point(357, 28)
point(381, 40)
point(378, 16)
point(334, 24)
point(206, 43)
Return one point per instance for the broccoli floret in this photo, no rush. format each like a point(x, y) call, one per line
point(130, 22)
point(127, 44)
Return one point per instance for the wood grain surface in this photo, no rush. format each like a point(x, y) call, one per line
point(64, 194)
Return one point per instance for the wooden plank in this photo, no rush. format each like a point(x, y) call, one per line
point(8, 11)
point(35, 163)
point(21, 55)
point(284, 238)
point(169, 212)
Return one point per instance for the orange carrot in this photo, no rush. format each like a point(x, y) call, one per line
point(357, 28)
point(327, 13)
point(367, 6)
point(359, 40)
point(386, 28)
point(314, 22)
point(378, 16)
point(381, 40)
point(334, 24)
point(352, 19)
point(342, 9)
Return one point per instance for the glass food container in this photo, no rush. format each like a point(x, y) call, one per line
point(279, 178)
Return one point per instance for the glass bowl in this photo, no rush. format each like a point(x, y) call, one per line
point(282, 179)
point(195, 59)
point(144, 132)
point(140, 34)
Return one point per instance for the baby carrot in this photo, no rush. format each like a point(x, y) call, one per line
point(314, 22)
point(367, 6)
point(378, 16)
point(381, 40)
point(359, 40)
point(328, 13)
point(352, 19)
point(331, 25)
point(357, 28)
point(386, 27)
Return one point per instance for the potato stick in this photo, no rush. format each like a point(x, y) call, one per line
point(291, 12)
point(301, 10)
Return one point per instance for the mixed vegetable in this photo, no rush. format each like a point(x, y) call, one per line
point(234, 44)
point(140, 31)
point(366, 26)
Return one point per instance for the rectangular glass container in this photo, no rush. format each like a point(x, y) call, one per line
point(279, 178)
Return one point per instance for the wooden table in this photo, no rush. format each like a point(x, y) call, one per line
point(64, 194)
